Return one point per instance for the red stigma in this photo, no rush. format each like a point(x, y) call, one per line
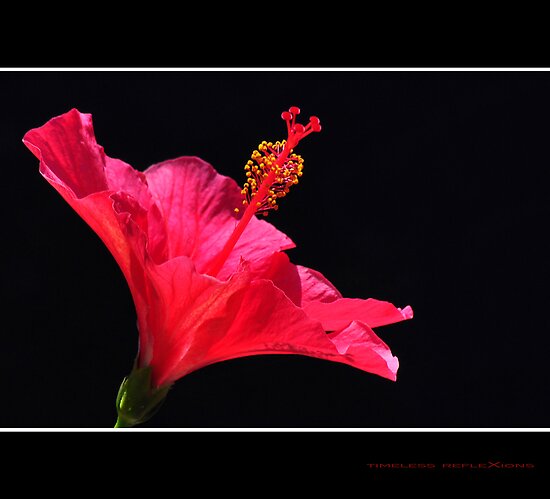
point(297, 131)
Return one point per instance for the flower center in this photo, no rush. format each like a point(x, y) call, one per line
point(262, 162)
point(270, 172)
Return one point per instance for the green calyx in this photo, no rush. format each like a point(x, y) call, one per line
point(137, 401)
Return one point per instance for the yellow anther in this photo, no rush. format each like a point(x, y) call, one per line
point(269, 162)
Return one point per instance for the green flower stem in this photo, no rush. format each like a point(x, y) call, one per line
point(137, 400)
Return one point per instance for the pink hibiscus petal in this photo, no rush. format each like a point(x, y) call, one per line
point(407, 312)
point(69, 153)
point(189, 313)
point(76, 166)
point(360, 347)
point(265, 321)
point(71, 157)
point(339, 313)
point(316, 287)
point(301, 284)
point(198, 206)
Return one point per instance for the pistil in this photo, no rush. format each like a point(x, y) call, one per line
point(276, 173)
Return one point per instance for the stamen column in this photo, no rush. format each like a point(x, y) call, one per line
point(296, 132)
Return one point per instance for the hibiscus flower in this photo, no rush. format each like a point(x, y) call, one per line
point(210, 280)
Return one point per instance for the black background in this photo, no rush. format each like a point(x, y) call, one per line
point(424, 188)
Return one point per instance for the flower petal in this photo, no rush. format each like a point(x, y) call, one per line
point(198, 206)
point(301, 284)
point(187, 312)
point(362, 347)
point(67, 147)
point(70, 156)
point(316, 287)
point(264, 321)
point(339, 313)
point(107, 193)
